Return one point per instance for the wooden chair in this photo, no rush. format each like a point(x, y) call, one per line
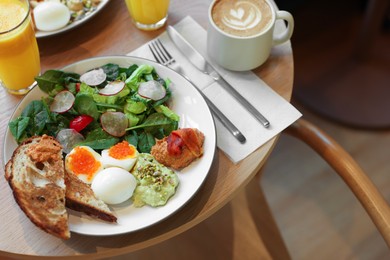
point(345, 166)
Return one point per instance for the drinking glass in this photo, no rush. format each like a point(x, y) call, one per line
point(19, 54)
point(148, 14)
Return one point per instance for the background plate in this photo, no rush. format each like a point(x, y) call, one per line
point(41, 34)
point(187, 102)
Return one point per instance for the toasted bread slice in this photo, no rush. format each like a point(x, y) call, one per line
point(35, 174)
point(80, 197)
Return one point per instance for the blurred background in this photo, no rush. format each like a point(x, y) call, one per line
point(348, 96)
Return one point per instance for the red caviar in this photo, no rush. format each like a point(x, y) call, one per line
point(122, 150)
point(83, 162)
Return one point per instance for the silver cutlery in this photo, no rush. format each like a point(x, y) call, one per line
point(201, 64)
point(162, 56)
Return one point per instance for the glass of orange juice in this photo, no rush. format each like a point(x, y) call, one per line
point(148, 14)
point(19, 54)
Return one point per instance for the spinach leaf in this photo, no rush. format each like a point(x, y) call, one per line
point(145, 142)
point(70, 77)
point(36, 119)
point(132, 138)
point(72, 88)
point(98, 139)
point(38, 115)
point(33, 108)
point(56, 123)
point(50, 81)
point(18, 127)
point(111, 70)
point(100, 144)
point(40, 119)
point(130, 70)
point(157, 125)
point(85, 105)
point(153, 121)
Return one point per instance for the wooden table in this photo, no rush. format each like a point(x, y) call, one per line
point(112, 33)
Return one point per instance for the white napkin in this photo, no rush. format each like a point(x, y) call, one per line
point(278, 111)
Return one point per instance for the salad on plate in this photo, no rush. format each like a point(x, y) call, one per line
point(100, 108)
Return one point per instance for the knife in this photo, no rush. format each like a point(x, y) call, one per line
point(217, 113)
point(201, 64)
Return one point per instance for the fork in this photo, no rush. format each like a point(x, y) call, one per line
point(163, 57)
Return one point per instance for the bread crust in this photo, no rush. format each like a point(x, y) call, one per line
point(80, 197)
point(38, 186)
point(43, 189)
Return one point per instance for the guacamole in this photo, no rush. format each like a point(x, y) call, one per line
point(156, 183)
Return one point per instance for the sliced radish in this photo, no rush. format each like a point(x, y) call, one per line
point(152, 89)
point(114, 123)
point(94, 77)
point(69, 138)
point(112, 88)
point(63, 101)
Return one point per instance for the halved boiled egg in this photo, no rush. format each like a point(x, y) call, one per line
point(51, 15)
point(84, 162)
point(114, 185)
point(123, 155)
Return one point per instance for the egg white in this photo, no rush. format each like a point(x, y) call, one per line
point(84, 177)
point(114, 185)
point(126, 164)
point(51, 15)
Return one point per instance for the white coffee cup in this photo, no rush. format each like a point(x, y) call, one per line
point(244, 52)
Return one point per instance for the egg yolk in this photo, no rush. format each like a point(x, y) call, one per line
point(83, 162)
point(122, 150)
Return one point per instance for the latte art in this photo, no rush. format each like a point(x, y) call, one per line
point(245, 15)
point(242, 17)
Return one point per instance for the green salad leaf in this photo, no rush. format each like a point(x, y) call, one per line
point(54, 81)
point(85, 105)
point(138, 76)
point(145, 142)
point(98, 139)
point(18, 127)
point(112, 71)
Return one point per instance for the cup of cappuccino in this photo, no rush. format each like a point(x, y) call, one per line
point(240, 33)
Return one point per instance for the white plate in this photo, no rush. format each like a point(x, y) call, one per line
point(193, 111)
point(41, 34)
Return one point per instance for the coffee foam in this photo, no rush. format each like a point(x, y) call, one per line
point(236, 20)
point(242, 17)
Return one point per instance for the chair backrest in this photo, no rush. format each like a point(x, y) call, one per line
point(348, 169)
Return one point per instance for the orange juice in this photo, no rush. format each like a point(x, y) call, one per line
point(148, 14)
point(19, 55)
